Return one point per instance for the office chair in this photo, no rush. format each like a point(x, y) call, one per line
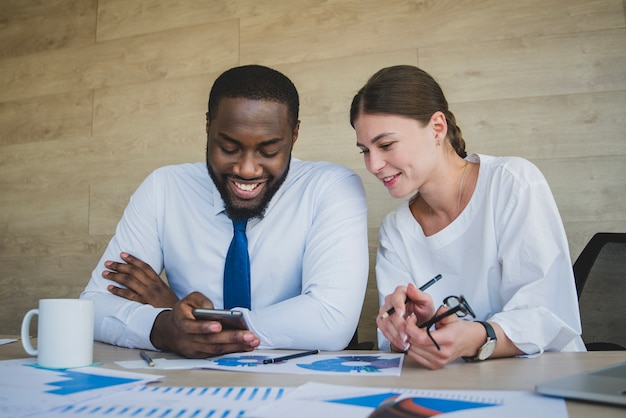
point(600, 273)
point(354, 343)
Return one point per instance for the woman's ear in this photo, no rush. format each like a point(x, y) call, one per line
point(439, 126)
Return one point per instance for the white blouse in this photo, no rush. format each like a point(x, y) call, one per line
point(506, 253)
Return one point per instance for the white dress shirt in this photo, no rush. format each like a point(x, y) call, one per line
point(507, 253)
point(308, 255)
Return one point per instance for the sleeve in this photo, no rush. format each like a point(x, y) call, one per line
point(334, 276)
point(117, 320)
point(391, 271)
point(538, 293)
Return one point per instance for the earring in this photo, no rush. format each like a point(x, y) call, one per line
point(438, 143)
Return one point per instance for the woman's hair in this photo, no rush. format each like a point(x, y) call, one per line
point(408, 91)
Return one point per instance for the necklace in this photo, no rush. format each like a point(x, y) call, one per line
point(458, 203)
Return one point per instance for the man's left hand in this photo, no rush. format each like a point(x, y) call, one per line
point(142, 283)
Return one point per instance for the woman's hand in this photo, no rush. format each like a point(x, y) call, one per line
point(451, 334)
point(408, 302)
point(456, 338)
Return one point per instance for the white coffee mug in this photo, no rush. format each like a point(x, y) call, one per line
point(64, 333)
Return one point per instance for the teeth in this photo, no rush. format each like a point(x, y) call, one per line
point(245, 187)
point(385, 179)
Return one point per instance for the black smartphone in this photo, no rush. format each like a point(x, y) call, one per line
point(229, 319)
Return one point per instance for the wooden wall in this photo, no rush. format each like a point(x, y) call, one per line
point(95, 94)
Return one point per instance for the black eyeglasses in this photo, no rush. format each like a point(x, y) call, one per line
point(457, 305)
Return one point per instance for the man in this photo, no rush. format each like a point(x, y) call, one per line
point(306, 234)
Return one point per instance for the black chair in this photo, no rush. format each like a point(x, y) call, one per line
point(354, 343)
point(600, 273)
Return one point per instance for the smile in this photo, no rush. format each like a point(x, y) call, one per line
point(246, 191)
point(390, 180)
point(246, 187)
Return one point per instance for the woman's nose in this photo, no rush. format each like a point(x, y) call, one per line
point(374, 163)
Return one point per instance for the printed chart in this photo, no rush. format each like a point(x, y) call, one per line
point(380, 364)
point(362, 365)
point(178, 402)
point(313, 400)
point(25, 389)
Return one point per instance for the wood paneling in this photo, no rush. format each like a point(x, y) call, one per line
point(365, 27)
point(54, 211)
point(176, 53)
point(95, 94)
point(122, 18)
point(31, 26)
point(529, 66)
point(176, 106)
point(66, 115)
point(578, 124)
point(328, 86)
point(588, 188)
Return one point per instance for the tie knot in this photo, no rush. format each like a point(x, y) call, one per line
point(240, 225)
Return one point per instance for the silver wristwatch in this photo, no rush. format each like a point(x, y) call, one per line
point(487, 348)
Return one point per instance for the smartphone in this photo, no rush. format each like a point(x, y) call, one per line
point(229, 319)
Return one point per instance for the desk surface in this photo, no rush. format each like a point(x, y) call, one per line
point(495, 374)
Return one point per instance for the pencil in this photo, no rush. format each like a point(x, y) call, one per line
point(289, 357)
point(146, 358)
point(422, 288)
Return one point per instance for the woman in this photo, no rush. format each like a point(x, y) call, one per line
point(489, 226)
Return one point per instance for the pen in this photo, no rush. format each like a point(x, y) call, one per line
point(290, 356)
point(147, 358)
point(422, 288)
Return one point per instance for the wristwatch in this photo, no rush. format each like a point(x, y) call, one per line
point(487, 348)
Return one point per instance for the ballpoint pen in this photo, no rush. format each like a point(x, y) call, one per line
point(146, 358)
point(289, 357)
point(422, 288)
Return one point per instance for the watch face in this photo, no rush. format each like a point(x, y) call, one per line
point(486, 350)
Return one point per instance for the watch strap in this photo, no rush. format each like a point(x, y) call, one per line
point(491, 336)
point(491, 333)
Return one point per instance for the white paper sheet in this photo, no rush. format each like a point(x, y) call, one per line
point(174, 402)
point(377, 364)
point(26, 390)
point(314, 400)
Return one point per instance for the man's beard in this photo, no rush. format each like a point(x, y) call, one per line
point(240, 213)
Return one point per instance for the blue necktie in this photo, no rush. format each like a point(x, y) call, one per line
point(237, 269)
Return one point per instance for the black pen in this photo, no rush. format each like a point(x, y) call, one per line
point(290, 356)
point(146, 358)
point(422, 288)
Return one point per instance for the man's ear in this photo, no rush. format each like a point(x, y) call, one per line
point(294, 134)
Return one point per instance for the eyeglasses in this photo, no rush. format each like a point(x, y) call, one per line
point(456, 305)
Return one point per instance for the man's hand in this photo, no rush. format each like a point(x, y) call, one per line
point(179, 332)
point(142, 283)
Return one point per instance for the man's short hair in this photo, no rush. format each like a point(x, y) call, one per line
point(255, 82)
